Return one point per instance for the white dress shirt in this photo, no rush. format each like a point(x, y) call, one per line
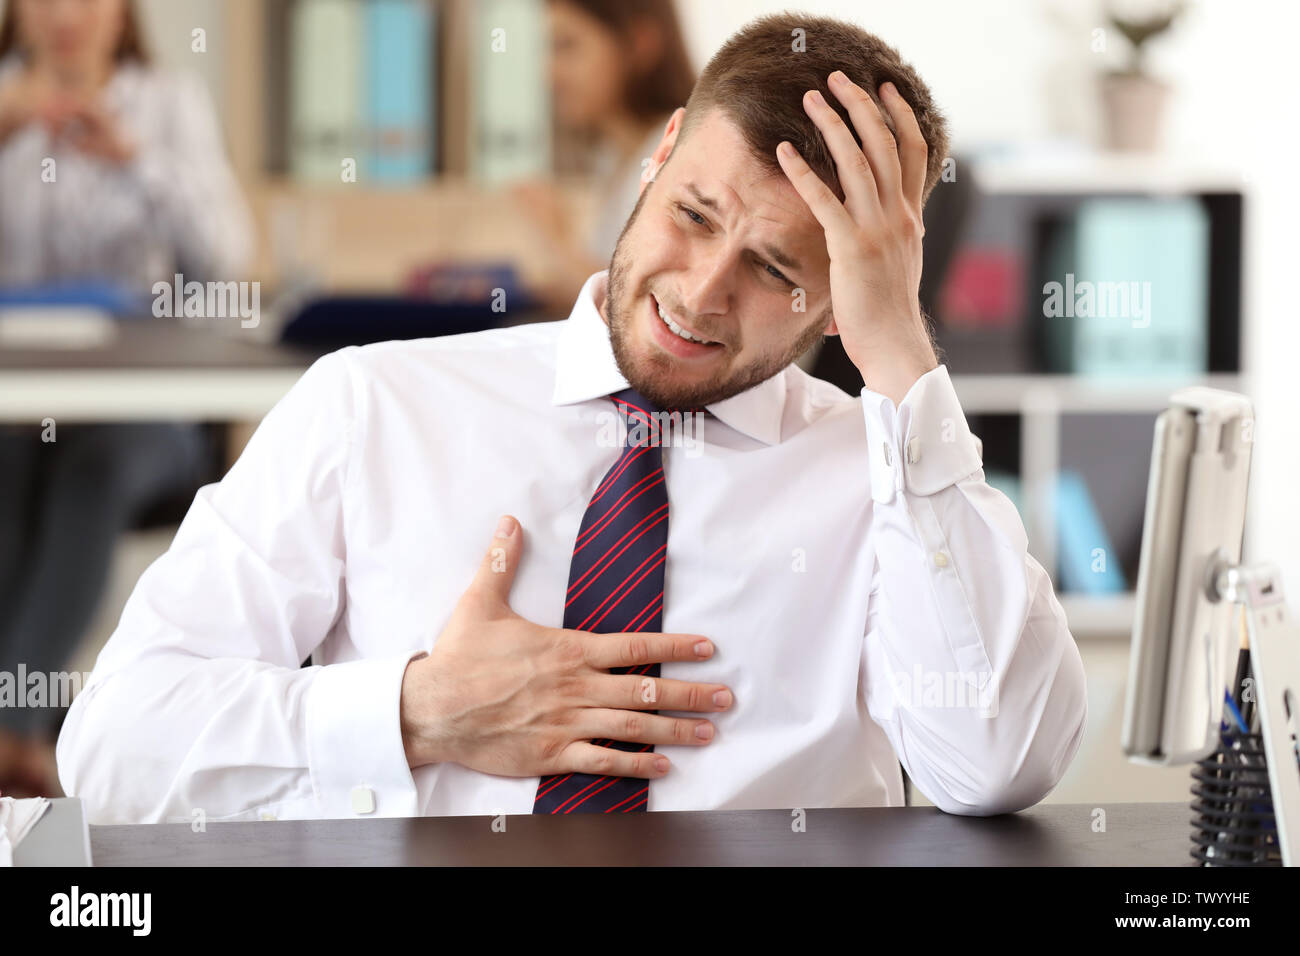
point(869, 595)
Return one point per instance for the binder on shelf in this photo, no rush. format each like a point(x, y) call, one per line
point(1129, 288)
point(1087, 561)
point(399, 109)
point(325, 88)
point(1055, 235)
point(984, 288)
point(1157, 248)
point(276, 122)
point(511, 113)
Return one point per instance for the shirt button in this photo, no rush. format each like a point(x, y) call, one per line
point(363, 800)
point(914, 451)
point(940, 559)
point(889, 455)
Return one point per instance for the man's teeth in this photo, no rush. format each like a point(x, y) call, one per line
point(678, 330)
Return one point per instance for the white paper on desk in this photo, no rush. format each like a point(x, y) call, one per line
point(54, 327)
point(17, 817)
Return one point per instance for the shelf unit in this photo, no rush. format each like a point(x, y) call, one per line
point(1016, 394)
point(1096, 171)
point(1040, 401)
point(367, 237)
point(1102, 617)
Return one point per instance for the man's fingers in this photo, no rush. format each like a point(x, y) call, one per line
point(855, 174)
point(496, 573)
point(826, 208)
point(635, 727)
point(877, 141)
point(630, 649)
point(913, 152)
point(638, 692)
point(583, 757)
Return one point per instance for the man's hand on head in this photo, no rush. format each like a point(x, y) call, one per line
point(874, 236)
point(503, 695)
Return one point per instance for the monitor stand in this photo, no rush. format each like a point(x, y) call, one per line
point(1275, 664)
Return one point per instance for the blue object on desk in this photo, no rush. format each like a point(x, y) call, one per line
point(442, 299)
point(360, 320)
point(115, 298)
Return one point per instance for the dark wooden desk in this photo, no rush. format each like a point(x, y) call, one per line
point(1137, 834)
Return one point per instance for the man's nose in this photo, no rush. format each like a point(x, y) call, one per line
point(708, 287)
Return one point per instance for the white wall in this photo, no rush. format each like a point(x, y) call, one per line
point(168, 27)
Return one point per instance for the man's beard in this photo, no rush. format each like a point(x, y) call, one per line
point(651, 375)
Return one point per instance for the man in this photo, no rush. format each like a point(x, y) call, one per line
point(759, 610)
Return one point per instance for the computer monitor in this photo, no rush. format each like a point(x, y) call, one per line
point(1185, 642)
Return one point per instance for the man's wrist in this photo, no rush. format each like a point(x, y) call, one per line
point(893, 369)
point(418, 744)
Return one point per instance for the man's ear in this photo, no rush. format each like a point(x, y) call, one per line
point(831, 327)
point(650, 167)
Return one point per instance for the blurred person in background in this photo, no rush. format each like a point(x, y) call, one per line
point(618, 70)
point(141, 190)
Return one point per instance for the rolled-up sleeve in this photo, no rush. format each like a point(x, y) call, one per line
point(969, 664)
point(198, 706)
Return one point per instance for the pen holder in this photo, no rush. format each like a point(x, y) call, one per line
point(1232, 805)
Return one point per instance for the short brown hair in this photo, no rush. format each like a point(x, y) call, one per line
point(760, 75)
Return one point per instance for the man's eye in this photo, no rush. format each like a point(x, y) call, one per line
point(695, 216)
point(777, 273)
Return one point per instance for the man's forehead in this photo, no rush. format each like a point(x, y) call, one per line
point(716, 158)
point(717, 167)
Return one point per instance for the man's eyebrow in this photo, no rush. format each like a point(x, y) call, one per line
point(702, 199)
point(781, 259)
point(771, 251)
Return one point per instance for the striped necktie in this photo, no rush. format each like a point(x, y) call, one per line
point(616, 584)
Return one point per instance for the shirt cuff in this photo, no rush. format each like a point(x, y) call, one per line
point(922, 445)
point(354, 739)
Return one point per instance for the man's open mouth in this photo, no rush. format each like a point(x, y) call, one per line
point(677, 328)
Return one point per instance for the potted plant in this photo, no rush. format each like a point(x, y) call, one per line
point(1135, 100)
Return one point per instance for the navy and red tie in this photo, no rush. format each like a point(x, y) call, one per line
point(616, 584)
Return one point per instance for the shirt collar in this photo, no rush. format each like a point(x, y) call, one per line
point(585, 369)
